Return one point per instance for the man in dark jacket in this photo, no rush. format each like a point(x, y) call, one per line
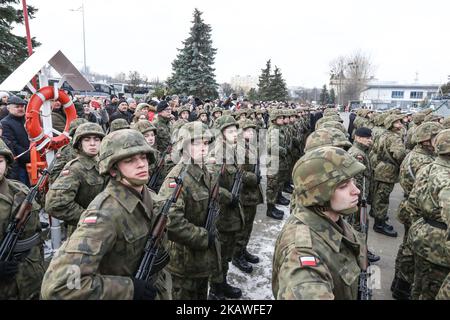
point(14, 131)
point(112, 107)
point(121, 113)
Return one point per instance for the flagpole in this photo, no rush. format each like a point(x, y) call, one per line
point(27, 28)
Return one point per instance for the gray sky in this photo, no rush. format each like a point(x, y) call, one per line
point(301, 37)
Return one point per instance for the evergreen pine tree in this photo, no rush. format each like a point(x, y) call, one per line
point(332, 99)
point(13, 48)
point(265, 80)
point(323, 98)
point(252, 95)
point(192, 70)
point(278, 89)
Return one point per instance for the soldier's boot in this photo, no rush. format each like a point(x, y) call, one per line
point(216, 292)
point(239, 262)
point(282, 200)
point(372, 257)
point(401, 289)
point(388, 226)
point(229, 291)
point(379, 227)
point(273, 212)
point(44, 225)
point(250, 257)
point(288, 188)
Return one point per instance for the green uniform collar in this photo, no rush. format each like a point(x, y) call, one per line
point(420, 149)
point(360, 146)
point(87, 162)
point(126, 196)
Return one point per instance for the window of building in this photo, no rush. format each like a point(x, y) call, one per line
point(416, 95)
point(397, 94)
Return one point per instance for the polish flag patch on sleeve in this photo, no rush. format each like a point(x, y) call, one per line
point(172, 184)
point(90, 220)
point(308, 262)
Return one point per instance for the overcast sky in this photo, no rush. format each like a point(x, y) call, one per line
point(301, 37)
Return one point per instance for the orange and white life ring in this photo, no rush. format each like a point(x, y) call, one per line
point(33, 117)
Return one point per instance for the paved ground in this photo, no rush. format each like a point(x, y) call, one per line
point(265, 231)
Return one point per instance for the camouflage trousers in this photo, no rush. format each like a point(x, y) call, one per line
point(273, 187)
point(189, 288)
point(404, 262)
point(428, 279)
point(227, 247)
point(380, 203)
point(243, 236)
point(444, 292)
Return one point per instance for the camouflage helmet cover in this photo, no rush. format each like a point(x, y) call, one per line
point(332, 124)
point(247, 123)
point(391, 119)
point(119, 124)
point(426, 131)
point(327, 137)
point(6, 152)
point(74, 125)
point(144, 126)
point(119, 145)
point(317, 174)
point(87, 129)
point(224, 122)
point(442, 143)
point(446, 123)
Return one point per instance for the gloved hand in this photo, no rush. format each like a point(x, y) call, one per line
point(8, 269)
point(143, 290)
point(234, 202)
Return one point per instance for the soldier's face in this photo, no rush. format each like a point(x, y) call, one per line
point(230, 134)
point(184, 115)
point(150, 137)
point(91, 145)
point(279, 121)
point(293, 119)
point(286, 120)
point(217, 114)
point(2, 166)
point(203, 118)
point(248, 134)
point(345, 196)
point(398, 124)
point(198, 150)
point(135, 167)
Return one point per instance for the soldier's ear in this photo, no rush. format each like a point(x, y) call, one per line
point(113, 172)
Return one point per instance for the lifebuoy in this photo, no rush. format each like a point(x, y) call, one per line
point(33, 117)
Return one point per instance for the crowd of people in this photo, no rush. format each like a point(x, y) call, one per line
point(126, 159)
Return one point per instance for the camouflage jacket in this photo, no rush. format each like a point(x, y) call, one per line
point(190, 255)
point(230, 219)
point(390, 154)
point(64, 155)
point(71, 193)
point(276, 149)
point(251, 194)
point(416, 159)
point(316, 258)
point(409, 143)
point(163, 131)
point(105, 250)
point(360, 152)
point(27, 282)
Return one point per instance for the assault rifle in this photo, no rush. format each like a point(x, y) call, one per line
point(213, 205)
point(364, 292)
point(237, 184)
point(153, 260)
point(11, 243)
point(153, 183)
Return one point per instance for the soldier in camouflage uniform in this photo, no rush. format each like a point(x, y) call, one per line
point(420, 156)
point(194, 253)
point(251, 194)
point(99, 259)
point(286, 169)
point(231, 218)
point(184, 112)
point(328, 118)
point(260, 124)
point(215, 114)
point(276, 152)
point(202, 116)
point(446, 123)
point(163, 126)
point(444, 202)
point(79, 182)
point(390, 153)
point(119, 124)
point(332, 124)
point(21, 277)
point(427, 235)
point(318, 255)
point(66, 153)
point(418, 119)
point(327, 137)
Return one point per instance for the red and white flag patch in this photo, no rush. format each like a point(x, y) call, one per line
point(172, 184)
point(65, 172)
point(90, 220)
point(308, 262)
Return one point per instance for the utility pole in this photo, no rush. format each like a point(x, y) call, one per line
point(81, 9)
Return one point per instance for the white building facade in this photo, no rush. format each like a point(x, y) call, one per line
point(380, 95)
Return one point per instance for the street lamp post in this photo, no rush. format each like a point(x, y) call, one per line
point(81, 9)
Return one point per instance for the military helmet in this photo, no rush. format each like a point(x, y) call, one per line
point(87, 129)
point(442, 143)
point(224, 122)
point(329, 111)
point(426, 131)
point(332, 124)
point(446, 123)
point(274, 114)
point(186, 107)
point(6, 152)
point(432, 117)
point(141, 106)
point(119, 124)
point(391, 119)
point(317, 174)
point(74, 125)
point(200, 112)
point(327, 137)
point(144, 126)
point(247, 123)
point(227, 112)
point(217, 109)
point(119, 145)
point(418, 117)
point(176, 128)
point(194, 130)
